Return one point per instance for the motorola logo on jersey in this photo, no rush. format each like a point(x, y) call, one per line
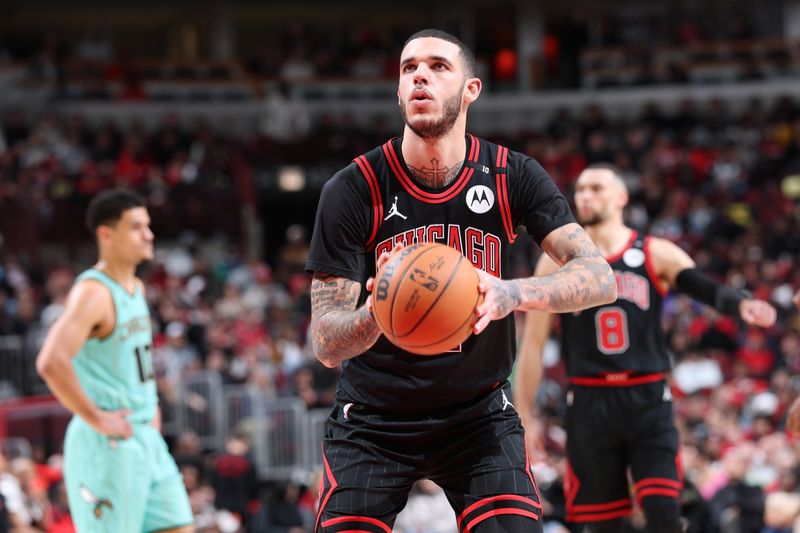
point(480, 199)
point(482, 249)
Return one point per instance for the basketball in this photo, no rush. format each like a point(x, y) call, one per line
point(424, 299)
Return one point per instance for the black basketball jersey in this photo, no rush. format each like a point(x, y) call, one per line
point(374, 204)
point(624, 337)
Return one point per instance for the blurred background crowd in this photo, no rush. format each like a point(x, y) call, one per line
point(233, 205)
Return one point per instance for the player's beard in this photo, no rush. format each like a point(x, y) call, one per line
point(592, 220)
point(434, 129)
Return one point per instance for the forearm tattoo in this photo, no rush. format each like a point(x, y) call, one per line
point(585, 279)
point(436, 176)
point(339, 330)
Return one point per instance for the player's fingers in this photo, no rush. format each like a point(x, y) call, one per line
point(370, 306)
point(370, 283)
point(385, 256)
point(481, 324)
point(395, 250)
point(771, 316)
point(762, 315)
point(483, 287)
point(483, 307)
point(483, 277)
point(125, 431)
point(381, 260)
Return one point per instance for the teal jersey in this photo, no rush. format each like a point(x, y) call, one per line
point(117, 371)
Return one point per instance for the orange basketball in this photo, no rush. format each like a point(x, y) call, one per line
point(424, 298)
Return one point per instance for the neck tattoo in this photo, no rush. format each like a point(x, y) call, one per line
point(436, 176)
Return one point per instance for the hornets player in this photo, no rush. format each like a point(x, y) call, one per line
point(119, 474)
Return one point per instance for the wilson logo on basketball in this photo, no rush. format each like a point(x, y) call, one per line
point(480, 199)
point(382, 288)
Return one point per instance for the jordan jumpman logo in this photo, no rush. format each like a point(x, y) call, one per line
point(506, 403)
point(393, 211)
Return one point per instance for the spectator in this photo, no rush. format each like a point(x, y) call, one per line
point(281, 513)
point(284, 117)
point(15, 506)
point(738, 506)
point(234, 477)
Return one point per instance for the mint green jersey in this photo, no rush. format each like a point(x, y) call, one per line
point(117, 371)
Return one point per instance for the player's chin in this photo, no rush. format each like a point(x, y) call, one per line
point(425, 114)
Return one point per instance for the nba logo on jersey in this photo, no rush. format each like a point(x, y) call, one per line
point(480, 199)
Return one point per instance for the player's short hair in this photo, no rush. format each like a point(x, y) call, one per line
point(615, 171)
point(107, 208)
point(467, 57)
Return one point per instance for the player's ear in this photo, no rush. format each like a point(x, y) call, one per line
point(623, 198)
point(399, 100)
point(103, 233)
point(472, 89)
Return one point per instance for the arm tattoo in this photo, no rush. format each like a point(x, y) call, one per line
point(339, 330)
point(584, 280)
point(436, 176)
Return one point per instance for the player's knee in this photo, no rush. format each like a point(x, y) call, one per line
point(509, 523)
point(606, 526)
point(663, 514)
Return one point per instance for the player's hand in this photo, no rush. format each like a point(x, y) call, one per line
point(156, 422)
point(796, 299)
point(382, 260)
point(500, 297)
point(114, 424)
point(793, 418)
point(757, 313)
point(534, 440)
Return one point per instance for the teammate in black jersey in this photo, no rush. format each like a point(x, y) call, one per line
point(401, 417)
point(619, 407)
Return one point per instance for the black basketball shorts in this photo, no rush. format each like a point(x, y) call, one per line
point(476, 454)
point(609, 431)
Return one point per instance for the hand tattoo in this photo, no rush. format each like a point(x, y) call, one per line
point(585, 279)
point(339, 331)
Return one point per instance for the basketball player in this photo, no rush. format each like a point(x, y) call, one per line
point(400, 417)
point(119, 474)
point(619, 406)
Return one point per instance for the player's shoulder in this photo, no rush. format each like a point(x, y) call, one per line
point(90, 287)
point(517, 164)
point(89, 293)
point(355, 177)
point(525, 166)
point(658, 245)
point(348, 175)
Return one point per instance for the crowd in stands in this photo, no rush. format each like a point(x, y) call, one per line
point(662, 45)
point(723, 184)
